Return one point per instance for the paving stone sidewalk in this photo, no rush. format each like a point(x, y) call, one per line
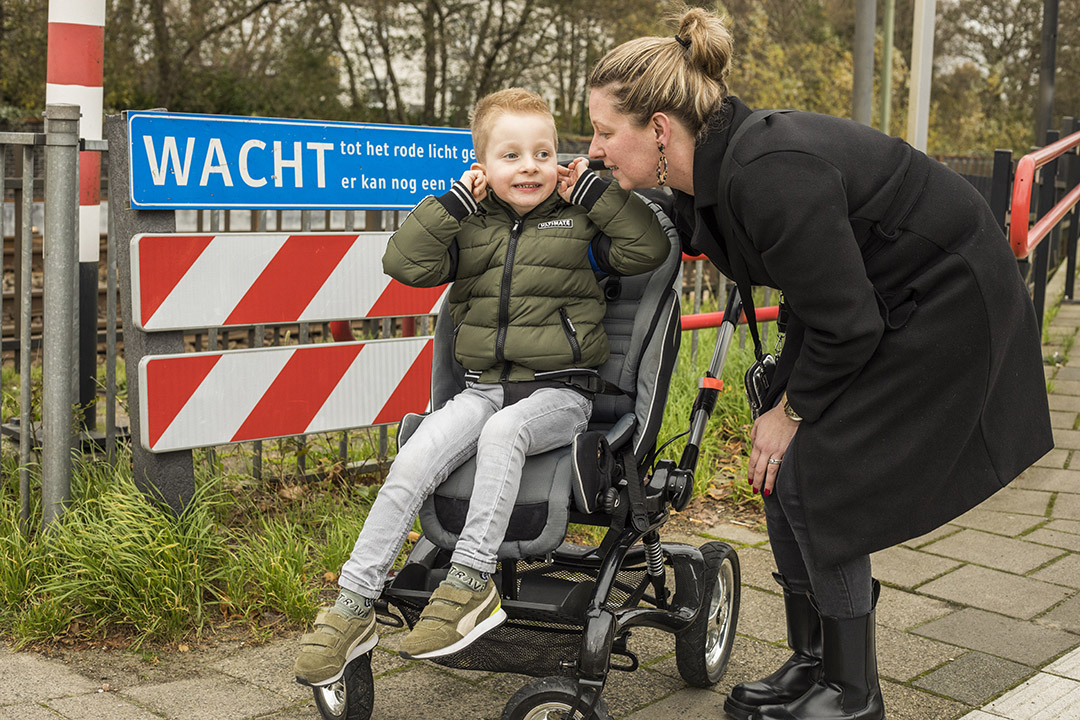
point(978, 620)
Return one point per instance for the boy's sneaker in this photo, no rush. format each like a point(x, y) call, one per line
point(337, 641)
point(453, 620)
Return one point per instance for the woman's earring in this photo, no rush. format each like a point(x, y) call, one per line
point(661, 166)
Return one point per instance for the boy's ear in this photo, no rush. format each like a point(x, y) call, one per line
point(477, 166)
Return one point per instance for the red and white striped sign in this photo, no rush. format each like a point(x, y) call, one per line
point(206, 280)
point(203, 399)
point(76, 58)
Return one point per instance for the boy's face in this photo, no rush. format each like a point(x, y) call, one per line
point(520, 160)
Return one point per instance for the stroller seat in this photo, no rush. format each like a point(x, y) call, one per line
point(642, 324)
point(570, 608)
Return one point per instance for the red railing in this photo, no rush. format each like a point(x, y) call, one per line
point(702, 321)
point(1023, 238)
point(713, 319)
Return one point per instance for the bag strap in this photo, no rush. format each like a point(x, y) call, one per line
point(735, 236)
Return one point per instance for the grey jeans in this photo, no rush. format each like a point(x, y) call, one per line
point(473, 422)
point(843, 590)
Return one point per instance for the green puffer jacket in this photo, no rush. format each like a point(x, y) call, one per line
point(525, 298)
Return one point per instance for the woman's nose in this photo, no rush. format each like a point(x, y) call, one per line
point(595, 150)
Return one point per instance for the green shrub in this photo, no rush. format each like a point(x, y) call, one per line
point(270, 570)
point(118, 559)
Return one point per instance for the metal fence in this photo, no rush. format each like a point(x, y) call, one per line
point(979, 171)
point(39, 174)
point(39, 171)
point(26, 151)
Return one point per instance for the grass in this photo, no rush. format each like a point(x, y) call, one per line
point(117, 562)
point(724, 447)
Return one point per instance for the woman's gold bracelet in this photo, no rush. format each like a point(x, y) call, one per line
point(788, 409)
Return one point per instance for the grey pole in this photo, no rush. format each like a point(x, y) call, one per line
point(167, 477)
point(61, 208)
point(922, 65)
point(24, 227)
point(887, 30)
point(1044, 114)
point(862, 92)
point(110, 344)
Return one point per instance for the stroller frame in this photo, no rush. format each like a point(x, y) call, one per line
point(570, 612)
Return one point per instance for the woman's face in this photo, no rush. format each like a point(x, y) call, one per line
point(629, 151)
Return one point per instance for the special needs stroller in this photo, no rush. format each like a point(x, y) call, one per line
point(571, 608)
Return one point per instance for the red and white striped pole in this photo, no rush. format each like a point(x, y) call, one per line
point(74, 74)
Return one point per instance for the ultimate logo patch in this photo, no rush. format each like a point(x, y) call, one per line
point(566, 223)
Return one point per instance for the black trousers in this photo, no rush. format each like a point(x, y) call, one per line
point(840, 591)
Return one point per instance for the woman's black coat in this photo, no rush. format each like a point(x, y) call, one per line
point(914, 355)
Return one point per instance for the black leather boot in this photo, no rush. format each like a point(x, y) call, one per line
point(795, 676)
point(848, 688)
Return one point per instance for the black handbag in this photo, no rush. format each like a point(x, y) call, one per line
point(757, 380)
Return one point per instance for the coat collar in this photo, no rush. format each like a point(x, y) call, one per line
point(710, 150)
point(708, 155)
point(550, 206)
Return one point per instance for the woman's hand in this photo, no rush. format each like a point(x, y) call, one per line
point(770, 437)
point(476, 180)
point(568, 176)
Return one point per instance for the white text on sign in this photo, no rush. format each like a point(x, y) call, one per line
point(168, 166)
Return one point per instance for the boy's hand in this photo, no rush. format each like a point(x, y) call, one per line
point(476, 180)
point(568, 176)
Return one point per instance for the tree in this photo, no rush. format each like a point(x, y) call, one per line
point(23, 29)
point(988, 68)
point(795, 59)
point(223, 56)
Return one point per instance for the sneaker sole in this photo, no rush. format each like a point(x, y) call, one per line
point(356, 652)
point(493, 621)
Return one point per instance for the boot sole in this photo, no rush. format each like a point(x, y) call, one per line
point(493, 621)
point(354, 653)
point(737, 710)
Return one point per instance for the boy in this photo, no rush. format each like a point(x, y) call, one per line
point(520, 238)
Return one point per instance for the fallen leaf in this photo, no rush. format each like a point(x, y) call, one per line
point(291, 492)
point(414, 536)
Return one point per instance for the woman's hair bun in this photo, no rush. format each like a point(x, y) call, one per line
point(710, 42)
point(684, 75)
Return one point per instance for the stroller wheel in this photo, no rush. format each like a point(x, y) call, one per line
point(702, 650)
point(350, 698)
point(552, 698)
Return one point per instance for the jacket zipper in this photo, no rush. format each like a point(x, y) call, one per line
point(504, 292)
point(571, 334)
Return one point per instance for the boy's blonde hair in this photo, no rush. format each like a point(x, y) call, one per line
point(512, 100)
point(684, 75)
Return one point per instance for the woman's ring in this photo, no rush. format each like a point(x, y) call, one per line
point(775, 461)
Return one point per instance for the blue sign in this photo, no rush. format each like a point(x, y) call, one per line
point(181, 160)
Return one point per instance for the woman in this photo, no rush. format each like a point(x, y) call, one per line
point(912, 366)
